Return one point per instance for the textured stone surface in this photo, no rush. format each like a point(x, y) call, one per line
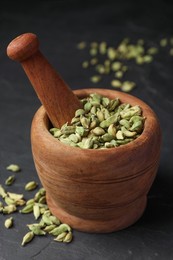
point(60, 25)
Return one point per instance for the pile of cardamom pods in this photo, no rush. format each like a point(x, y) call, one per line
point(105, 59)
point(101, 123)
point(47, 224)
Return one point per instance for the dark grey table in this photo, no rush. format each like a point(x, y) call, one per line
point(60, 25)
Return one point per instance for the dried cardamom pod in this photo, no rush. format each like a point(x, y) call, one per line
point(8, 222)
point(27, 238)
point(36, 229)
point(68, 237)
point(27, 209)
point(32, 185)
point(13, 168)
point(60, 229)
point(61, 237)
point(9, 181)
point(3, 193)
point(36, 211)
point(9, 209)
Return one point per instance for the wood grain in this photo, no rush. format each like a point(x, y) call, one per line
point(57, 98)
point(97, 190)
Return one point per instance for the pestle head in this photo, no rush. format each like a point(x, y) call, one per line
point(23, 46)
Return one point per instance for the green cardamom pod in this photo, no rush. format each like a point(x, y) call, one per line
point(47, 219)
point(112, 130)
point(42, 200)
point(15, 196)
point(79, 112)
point(30, 201)
point(31, 185)
point(13, 168)
point(9, 181)
point(36, 229)
point(27, 238)
point(9, 209)
point(61, 237)
point(98, 131)
point(27, 209)
point(36, 211)
point(68, 237)
point(8, 222)
point(9, 201)
point(119, 135)
point(20, 202)
point(3, 193)
point(85, 122)
point(127, 133)
point(100, 116)
point(60, 229)
point(49, 228)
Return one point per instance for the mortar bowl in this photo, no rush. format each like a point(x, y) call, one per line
point(97, 190)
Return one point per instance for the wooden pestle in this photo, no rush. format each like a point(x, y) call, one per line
point(57, 98)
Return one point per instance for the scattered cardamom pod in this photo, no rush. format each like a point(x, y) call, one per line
point(9, 209)
point(36, 211)
point(31, 186)
point(117, 56)
point(27, 209)
point(27, 238)
point(13, 168)
point(3, 193)
point(8, 222)
point(9, 181)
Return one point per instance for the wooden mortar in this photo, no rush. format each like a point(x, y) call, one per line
point(97, 190)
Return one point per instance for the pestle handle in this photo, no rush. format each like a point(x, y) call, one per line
point(55, 95)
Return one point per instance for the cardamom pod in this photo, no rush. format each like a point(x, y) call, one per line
point(36, 229)
point(9, 209)
point(36, 211)
point(15, 196)
point(61, 237)
point(9, 181)
point(60, 229)
point(27, 238)
point(68, 237)
point(27, 209)
point(9, 201)
point(13, 168)
point(31, 186)
point(8, 222)
point(3, 193)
